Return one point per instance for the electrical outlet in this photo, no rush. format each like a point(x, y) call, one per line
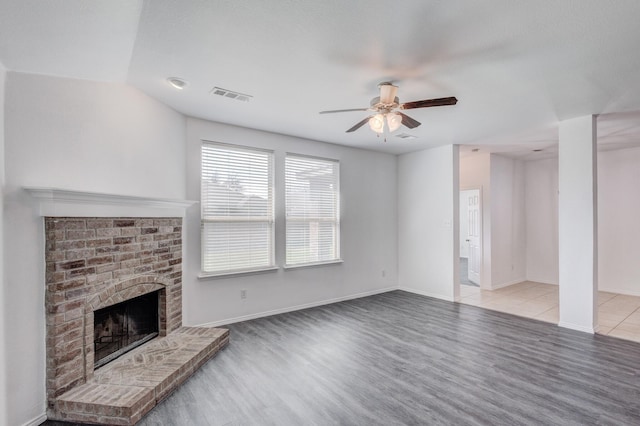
point(243, 294)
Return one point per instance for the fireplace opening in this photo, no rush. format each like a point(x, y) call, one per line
point(124, 326)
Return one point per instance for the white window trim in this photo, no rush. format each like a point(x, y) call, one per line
point(243, 271)
point(312, 264)
point(338, 220)
point(236, 273)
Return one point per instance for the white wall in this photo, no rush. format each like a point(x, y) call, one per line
point(618, 229)
point(508, 238)
point(428, 214)
point(475, 173)
point(578, 224)
point(541, 189)
point(3, 332)
point(618, 224)
point(71, 134)
point(368, 233)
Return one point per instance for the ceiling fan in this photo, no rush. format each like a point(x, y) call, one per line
point(387, 107)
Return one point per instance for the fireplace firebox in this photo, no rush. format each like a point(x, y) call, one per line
point(121, 327)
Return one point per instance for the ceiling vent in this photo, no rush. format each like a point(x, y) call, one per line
point(219, 91)
point(405, 136)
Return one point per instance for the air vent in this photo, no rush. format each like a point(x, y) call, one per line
point(405, 136)
point(219, 91)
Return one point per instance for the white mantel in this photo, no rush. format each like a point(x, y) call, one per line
point(74, 203)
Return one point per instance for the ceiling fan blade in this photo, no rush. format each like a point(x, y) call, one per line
point(344, 110)
point(429, 103)
point(408, 121)
point(360, 124)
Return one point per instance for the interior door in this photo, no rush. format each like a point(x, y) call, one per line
point(464, 227)
point(473, 235)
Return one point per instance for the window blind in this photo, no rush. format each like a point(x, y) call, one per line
point(312, 210)
point(237, 208)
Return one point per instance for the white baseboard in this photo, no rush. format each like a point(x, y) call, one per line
point(625, 291)
point(36, 421)
point(295, 308)
point(620, 291)
point(576, 327)
point(426, 293)
point(541, 281)
point(507, 284)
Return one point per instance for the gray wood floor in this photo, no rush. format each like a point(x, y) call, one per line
point(402, 359)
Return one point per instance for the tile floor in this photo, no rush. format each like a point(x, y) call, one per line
point(618, 314)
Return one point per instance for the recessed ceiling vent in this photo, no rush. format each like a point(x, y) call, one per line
point(230, 94)
point(405, 136)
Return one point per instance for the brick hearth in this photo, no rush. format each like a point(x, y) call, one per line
point(122, 391)
point(92, 263)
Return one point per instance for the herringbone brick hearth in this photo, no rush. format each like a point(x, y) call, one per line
point(123, 391)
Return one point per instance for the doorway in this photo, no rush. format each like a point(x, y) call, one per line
point(470, 237)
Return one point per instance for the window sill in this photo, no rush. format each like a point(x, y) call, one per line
point(311, 265)
point(231, 274)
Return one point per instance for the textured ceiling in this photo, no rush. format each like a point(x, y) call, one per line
point(516, 67)
point(90, 40)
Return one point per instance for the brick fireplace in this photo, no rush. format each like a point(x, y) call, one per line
point(96, 262)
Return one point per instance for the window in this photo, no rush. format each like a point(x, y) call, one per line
point(312, 210)
point(237, 209)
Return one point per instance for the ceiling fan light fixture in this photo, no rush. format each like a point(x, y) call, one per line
point(391, 120)
point(376, 123)
point(394, 121)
